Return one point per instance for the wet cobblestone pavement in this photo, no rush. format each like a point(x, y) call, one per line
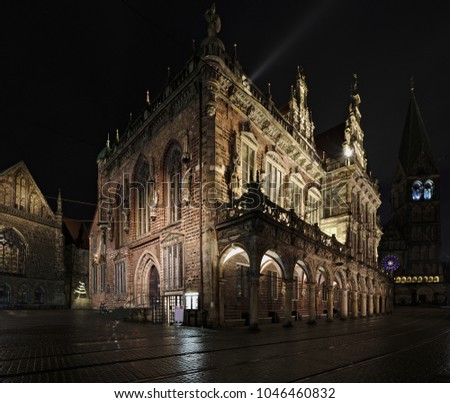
point(412, 345)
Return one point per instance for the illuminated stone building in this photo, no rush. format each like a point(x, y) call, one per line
point(215, 200)
point(412, 237)
point(31, 244)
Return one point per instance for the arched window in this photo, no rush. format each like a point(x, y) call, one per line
point(417, 190)
point(34, 205)
point(173, 180)
point(5, 294)
point(140, 184)
point(20, 191)
point(5, 194)
point(22, 294)
point(39, 295)
point(12, 252)
point(428, 189)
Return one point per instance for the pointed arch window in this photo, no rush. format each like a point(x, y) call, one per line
point(20, 192)
point(140, 184)
point(5, 194)
point(173, 192)
point(12, 252)
point(428, 189)
point(34, 205)
point(417, 190)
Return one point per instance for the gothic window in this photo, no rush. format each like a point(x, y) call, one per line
point(297, 198)
point(120, 278)
point(94, 278)
point(313, 206)
point(272, 284)
point(173, 266)
point(141, 179)
point(248, 162)
point(22, 294)
point(33, 206)
point(5, 294)
point(241, 281)
point(274, 180)
point(5, 194)
point(39, 295)
point(102, 277)
point(428, 189)
point(120, 217)
point(173, 176)
point(12, 252)
point(417, 190)
point(20, 192)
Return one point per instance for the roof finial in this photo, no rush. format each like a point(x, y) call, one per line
point(107, 142)
point(117, 136)
point(292, 92)
point(299, 72)
point(412, 84)
point(355, 84)
point(269, 91)
point(193, 45)
point(148, 97)
point(168, 73)
point(235, 51)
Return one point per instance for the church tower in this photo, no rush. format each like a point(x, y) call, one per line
point(412, 237)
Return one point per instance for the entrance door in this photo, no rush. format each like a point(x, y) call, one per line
point(156, 306)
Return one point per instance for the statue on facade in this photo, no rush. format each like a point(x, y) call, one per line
point(213, 21)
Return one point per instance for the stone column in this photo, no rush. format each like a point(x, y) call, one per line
point(312, 303)
point(370, 300)
point(222, 288)
point(377, 304)
point(344, 304)
point(254, 291)
point(383, 304)
point(330, 305)
point(354, 304)
point(363, 304)
point(289, 283)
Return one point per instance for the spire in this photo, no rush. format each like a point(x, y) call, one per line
point(412, 84)
point(147, 100)
point(117, 136)
point(415, 143)
point(107, 143)
point(59, 203)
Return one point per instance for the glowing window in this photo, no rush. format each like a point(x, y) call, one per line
point(417, 190)
point(428, 189)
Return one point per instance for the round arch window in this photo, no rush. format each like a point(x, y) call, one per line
point(417, 190)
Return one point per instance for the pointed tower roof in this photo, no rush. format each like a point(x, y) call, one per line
point(415, 144)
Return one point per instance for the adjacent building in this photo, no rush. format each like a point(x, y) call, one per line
point(31, 244)
point(412, 237)
point(217, 207)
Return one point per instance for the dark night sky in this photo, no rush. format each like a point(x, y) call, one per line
point(72, 71)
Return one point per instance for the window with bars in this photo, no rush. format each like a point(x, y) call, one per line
point(120, 278)
point(173, 177)
point(173, 266)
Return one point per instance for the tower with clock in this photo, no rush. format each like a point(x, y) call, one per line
point(413, 235)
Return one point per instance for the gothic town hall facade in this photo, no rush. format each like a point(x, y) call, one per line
point(217, 204)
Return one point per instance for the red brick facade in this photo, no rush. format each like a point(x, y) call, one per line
point(191, 157)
